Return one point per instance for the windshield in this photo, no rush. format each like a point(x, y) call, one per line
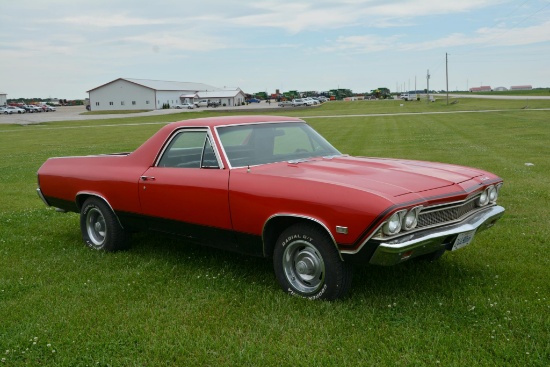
point(254, 144)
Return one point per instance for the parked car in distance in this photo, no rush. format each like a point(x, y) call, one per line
point(201, 103)
point(214, 104)
point(27, 109)
point(408, 96)
point(253, 100)
point(13, 109)
point(185, 105)
point(298, 102)
point(46, 108)
point(273, 187)
point(285, 104)
point(310, 101)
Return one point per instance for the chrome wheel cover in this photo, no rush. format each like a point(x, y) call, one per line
point(95, 226)
point(304, 266)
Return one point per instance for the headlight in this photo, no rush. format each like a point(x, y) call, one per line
point(393, 224)
point(498, 187)
point(492, 193)
point(483, 198)
point(411, 218)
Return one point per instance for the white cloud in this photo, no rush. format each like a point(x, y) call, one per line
point(182, 41)
point(296, 17)
point(104, 21)
point(362, 44)
point(484, 37)
point(261, 42)
point(314, 15)
point(419, 8)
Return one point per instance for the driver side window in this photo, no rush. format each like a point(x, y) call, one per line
point(188, 149)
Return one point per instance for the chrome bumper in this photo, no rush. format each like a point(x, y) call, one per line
point(425, 242)
point(41, 196)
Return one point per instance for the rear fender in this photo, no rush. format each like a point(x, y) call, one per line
point(82, 196)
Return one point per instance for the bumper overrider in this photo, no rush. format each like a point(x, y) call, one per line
point(449, 237)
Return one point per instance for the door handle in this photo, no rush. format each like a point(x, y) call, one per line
point(147, 178)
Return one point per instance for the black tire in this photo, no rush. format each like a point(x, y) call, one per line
point(100, 227)
point(308, 265)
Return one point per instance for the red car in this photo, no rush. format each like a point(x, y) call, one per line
point(273, 187)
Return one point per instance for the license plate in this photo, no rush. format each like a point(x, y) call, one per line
point(463, 239)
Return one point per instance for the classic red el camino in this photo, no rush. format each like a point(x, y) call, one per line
point(273, 187)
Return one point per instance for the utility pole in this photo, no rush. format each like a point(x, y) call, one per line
point(428, 87)
point(447, 75)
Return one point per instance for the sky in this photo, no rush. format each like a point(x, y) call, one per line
point(62, 49)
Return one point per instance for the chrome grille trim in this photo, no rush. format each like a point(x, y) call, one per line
point(438, 215)
point(429, 217)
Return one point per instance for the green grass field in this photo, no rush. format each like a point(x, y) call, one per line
point(166, 302)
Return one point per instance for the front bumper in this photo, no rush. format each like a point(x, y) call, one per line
point(435, 239)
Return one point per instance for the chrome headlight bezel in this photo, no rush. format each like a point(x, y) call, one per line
point(483, 199)
point(410, 219)
point(493, 194)
point(489, 195)
point(394, 223)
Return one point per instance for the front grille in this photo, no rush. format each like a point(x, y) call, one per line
point(431, 217)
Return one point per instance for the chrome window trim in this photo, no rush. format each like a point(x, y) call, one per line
point(209, 140)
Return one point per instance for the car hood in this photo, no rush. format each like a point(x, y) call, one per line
point(386, 177)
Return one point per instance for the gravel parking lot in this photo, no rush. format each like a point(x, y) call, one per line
point(69, 113)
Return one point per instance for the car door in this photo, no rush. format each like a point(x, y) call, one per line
point(186, 191)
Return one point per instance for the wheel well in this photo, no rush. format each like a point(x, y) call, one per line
point(82, 197)
point(276, 225)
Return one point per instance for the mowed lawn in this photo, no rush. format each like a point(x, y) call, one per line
point(166, 302)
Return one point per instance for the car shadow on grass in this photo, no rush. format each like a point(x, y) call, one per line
point(195, 259)
point(441, 278)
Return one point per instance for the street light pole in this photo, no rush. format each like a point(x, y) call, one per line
point(428, 86)
point(447, 75)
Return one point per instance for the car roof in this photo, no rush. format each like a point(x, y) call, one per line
point(233, 120)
